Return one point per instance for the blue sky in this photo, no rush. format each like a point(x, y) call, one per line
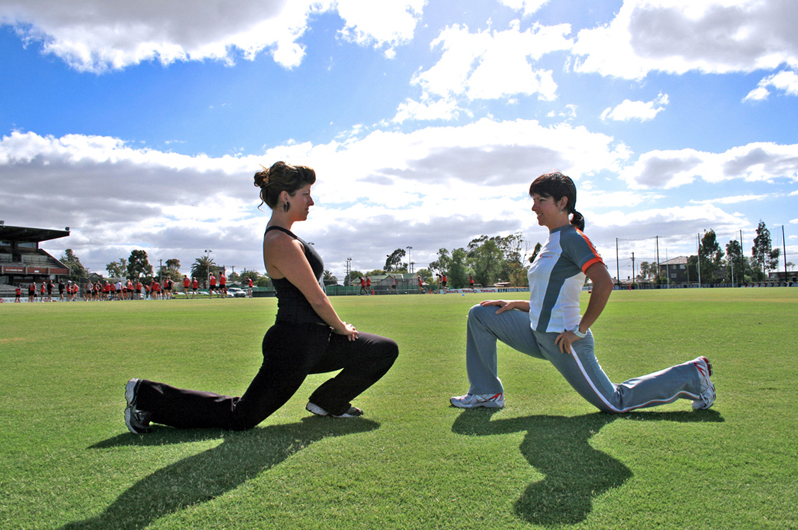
point(140, 126)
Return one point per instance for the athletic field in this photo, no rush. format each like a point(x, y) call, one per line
point(548, 459)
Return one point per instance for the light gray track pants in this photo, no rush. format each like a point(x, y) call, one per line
point(580, 369)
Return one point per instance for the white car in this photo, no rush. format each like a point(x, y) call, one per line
point(235, 292)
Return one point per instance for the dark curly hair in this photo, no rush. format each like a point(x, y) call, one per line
point(282, 177)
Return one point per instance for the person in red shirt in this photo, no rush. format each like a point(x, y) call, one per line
point(470, 281)
point(186, 285)
point(249, 287)
point(44, 291)
point(368, 285)
point(223, 284)
point(420, 285)
point(362, 286)
point(155, 290)
point(18, 294)
point(212, 286)
point(32, 292)
point(194, 287)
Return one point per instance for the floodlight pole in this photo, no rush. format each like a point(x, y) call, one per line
point(409, 261)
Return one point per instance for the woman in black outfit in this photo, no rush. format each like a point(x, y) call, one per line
point(307, 337)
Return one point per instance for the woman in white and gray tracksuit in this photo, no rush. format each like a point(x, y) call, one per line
point(549, 326)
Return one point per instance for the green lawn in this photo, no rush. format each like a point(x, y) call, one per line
point(546, 459)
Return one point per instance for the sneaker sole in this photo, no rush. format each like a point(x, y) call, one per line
point(130, 391)
point(485, 404)
point(701, 404)
point(318, 411)
point(129, 424)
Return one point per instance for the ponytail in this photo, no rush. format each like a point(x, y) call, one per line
point(578, 220)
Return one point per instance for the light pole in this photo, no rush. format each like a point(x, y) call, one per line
point(409, 261)
point(348, 269)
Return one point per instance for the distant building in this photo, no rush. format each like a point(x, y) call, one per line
point(675, 270)
point(21, 259)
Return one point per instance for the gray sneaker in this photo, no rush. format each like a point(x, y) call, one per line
point(137, 421)
point(707, 393)
point(353, 412)
point(470, 401)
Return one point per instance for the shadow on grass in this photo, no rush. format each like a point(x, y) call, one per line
point(200, 478)
point(558, 447)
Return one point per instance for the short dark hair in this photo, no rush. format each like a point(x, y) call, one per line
point(557, 186)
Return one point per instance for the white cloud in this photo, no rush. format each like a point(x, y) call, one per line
point(427, 109)
point(431, 188)
point(677, 36)
point(753, 162)
point(102, 35)
point(786, 80)
point(387, 23)
point(527, 7)
point(493, 64)
point(636, 110)
point(732, 200)
point(438, 186)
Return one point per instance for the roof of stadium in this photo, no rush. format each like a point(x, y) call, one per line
point(25, 234)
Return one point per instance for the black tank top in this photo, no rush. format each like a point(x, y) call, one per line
point(292, 306)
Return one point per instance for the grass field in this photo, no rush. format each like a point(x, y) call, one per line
point(546, 459)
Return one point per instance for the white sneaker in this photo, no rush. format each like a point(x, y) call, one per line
point(353, 412)
point(707, 393)
point(469, 401)
point(137, 421)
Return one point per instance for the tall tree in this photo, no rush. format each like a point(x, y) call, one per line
point(76, 269)
point(645, 270)
point(734, 260)
point(458, 269)
point(710, 256)
point(172, 270)
point(138, 265)
point(764, 256)
point(117, 269)
point(201, 269)
point(441, 265)
point(512, 266)
point(329, 279)
point(486, 258)
point(393, 261)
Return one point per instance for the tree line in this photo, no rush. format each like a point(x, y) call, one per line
point(716, 266)
point(488, 260)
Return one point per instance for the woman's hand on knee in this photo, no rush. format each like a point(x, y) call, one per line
point(507, 305)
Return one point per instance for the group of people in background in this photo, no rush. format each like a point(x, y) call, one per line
point(66, 291)
point(102, 290)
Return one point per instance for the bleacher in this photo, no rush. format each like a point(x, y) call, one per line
point(22, 261)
